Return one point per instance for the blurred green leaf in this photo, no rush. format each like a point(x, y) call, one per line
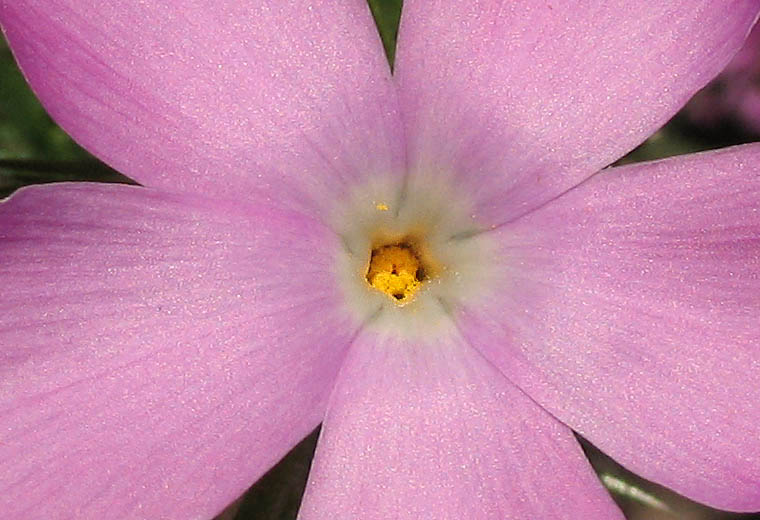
point(387, 14)
point(26, 131)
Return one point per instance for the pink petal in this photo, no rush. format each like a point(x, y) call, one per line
point(431, 430)
point(629, 309)
point(159, 352)
point(216, 96)
point(521, 100)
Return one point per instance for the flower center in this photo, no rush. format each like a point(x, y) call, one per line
point(411, 254)
point(397, 271)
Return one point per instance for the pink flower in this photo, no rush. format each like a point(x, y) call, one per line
point(163, 346)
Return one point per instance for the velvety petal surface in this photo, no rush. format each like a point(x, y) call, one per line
point(431, 430)
point(158, 352)
point(629, 309)
point(215, 96)
point(521, 100)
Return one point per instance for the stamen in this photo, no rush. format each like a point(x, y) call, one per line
point(396, 271)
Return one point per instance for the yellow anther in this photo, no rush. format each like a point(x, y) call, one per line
point(395, 270)
point(380, 206)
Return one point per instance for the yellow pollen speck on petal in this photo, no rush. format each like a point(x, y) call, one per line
point(381, 206)
point(395, 270)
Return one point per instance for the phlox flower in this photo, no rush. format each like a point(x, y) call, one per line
point(428, 262)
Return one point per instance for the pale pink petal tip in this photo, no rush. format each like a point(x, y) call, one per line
point(160, 352)
point(522, 100)
point(634, 301)
point(216, 97)
point(430, 430)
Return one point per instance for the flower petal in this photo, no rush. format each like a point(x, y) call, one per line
point(629, 310)
point(216, 96)
point(521, 100)
point(431, 430)
point(159, 352)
